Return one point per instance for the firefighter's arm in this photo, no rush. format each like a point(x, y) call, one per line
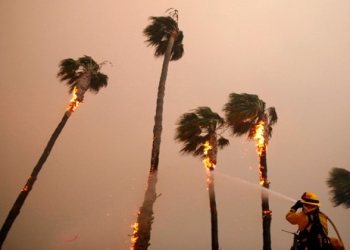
point(292, 216)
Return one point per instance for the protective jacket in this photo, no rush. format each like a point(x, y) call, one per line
point(310, 238)
point(301, 219)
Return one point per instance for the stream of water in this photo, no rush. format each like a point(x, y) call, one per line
point(253, 185)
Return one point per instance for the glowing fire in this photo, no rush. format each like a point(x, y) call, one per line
point(259, 137)
point(260, 146)
point(134, 234)
point(207, 162)
point(262, 179)
point(267, 213)
point(74, 103)
point(26, 188)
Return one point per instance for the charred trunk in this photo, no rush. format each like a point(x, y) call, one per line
point(213, 212)
point(142, 236)
point(266, 212)
point(16, 208)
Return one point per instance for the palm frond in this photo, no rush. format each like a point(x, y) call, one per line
point(161, 48)
point(178, 48)
point(339, 183)
point(242, 107)
point(88, 63)
point(159, 29)
point(158, 33)
point(98, 81)
point(272, 115)
point(196, 127)
point(194, 146)
point(244, 111)
point(71, 71)
point(173, 13)
point(68, 72)
point(187, 128)
point(68, 65)
point(268, 132)
point(223, 142)
point(242, 128)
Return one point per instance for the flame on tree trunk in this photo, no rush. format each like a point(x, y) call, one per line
point(210, 153)
point(142, 228)
point(16, 208)
point(266, 212)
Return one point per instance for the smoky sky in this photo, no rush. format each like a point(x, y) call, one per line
point(294, 55)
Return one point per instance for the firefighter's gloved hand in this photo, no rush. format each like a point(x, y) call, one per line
point(297, 205)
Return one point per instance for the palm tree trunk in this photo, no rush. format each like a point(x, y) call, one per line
point(213, 211)
point(266, 212)
point(145, 217)
point(83, 84)
point(15, 210)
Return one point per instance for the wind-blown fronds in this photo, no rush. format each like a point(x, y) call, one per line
point(197, 127)
point(71, 71)
point(244, 111)
point(339, 183)
point(159, 32)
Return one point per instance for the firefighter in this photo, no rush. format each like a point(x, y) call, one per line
point(312, 224)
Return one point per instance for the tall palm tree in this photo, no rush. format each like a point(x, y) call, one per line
point(81, 75)
point(200, 132)
point(163, 33)
point(339, 183)
point(247, 114)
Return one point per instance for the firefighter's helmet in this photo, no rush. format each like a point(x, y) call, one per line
point(310, 198)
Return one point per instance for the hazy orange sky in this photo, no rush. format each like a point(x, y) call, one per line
point(294, 54)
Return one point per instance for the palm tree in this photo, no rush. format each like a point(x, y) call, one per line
point(339, 183)
point(200, 131)
point(81, 75)
point(247, 114)
point(163, 33)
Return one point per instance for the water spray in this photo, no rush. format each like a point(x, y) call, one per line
point(257, 186)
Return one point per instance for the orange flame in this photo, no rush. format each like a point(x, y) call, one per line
point(207, 162)
point(26, 188)
point(74, 103)
point(260, 146)
point(266, 213)
point(259, 137)
point(134, 234)
point(262, 179)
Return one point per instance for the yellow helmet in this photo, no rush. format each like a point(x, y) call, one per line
point(310, 198)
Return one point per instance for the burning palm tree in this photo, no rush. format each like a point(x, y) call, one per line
point(163, 33)
point(81, 75)
point(200, 131)
point(247, 114)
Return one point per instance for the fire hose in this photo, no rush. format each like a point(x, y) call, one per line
point(335, 228)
